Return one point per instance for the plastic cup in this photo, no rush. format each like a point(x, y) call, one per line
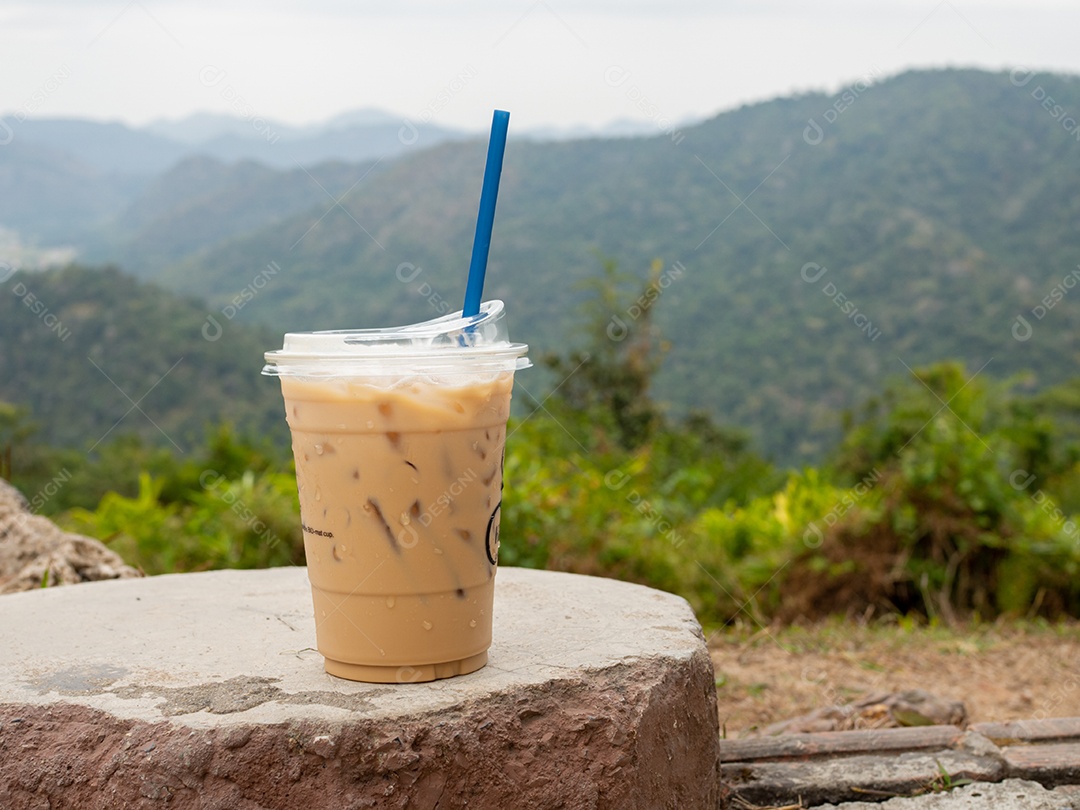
point(398, 436)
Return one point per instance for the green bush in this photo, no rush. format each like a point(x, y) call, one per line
point(232, 507)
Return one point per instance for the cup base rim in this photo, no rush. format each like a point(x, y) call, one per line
point(421, 673)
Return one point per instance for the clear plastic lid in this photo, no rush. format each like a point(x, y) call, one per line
point(451, 344)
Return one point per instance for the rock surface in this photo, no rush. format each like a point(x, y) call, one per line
point(204, 691)
point(35, 551)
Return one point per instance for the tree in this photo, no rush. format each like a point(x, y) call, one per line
point(606, 384)
point(15, 429)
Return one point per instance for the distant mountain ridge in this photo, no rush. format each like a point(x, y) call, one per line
point(352, 136)
point(202, 127)
point(113, 147)
point(69, 182)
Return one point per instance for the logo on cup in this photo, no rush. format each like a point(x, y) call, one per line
point(491, 538)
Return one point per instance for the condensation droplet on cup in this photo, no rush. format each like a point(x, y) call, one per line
point(339, 552)
point(472, 622)
point(318, 494)
point(390, 601)
point(437, 550)
point(405, 519)
point(319, 449)
point(426, 625)
point(322, 613)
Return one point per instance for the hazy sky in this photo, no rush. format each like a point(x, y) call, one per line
point(550, 62)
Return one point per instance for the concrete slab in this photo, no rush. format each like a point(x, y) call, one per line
point(845, 778)
point(1050, 764)
point(1012, 794)
point(1047, 729)
point(204, 690)
point(839, 743)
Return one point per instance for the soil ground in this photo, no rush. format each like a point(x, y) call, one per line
point(1004, 671)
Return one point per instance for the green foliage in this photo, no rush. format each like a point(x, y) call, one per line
point(944, 527)
point(962, 524)
point(15, 429)
point(629, 514)
point(229, 510)
point(933, 504)
point(947, 497)
point(601, 481)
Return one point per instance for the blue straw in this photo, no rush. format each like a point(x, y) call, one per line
point(474, 289)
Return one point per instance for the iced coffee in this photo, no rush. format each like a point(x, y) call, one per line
point(398, 445)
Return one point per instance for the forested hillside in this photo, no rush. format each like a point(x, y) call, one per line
point(815, 245)
point(94, 354)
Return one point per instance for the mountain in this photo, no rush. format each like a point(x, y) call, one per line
point(95, 353)
point(201, 127)
point(109, 147)
point(364, 116)
point(202, 201)
point(362, 142)
point(115, 148)
point(812, 246)
point(52, 198)
point(74, 184)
